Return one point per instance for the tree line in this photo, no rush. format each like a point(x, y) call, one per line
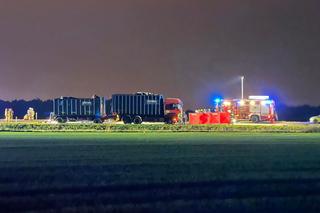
point(20, 107)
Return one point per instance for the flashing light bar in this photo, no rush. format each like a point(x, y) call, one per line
point(259, 97)
point(266, 102)
point(217, 100)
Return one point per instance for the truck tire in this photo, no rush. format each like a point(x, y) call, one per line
point(315, 121)
point(97, 121)
point(137, 120)
point(255, 119)
point(127, 119)
point(168, 121)
point(60, 120)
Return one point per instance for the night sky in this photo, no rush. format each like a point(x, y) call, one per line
point(180, 48)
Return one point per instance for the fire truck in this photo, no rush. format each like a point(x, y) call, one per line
point(255, 109)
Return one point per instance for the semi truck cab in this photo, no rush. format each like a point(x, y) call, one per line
point(173, 110)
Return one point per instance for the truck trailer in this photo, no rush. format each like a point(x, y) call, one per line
point(75, 109)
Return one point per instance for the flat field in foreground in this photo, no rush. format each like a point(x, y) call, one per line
point(163, 172)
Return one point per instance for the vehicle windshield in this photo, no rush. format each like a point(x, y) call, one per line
point(173, 106)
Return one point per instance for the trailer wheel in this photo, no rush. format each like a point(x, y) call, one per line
point(127, 119)
point(137, 120)
point(97, 121)
point(255, 119)
point(315, 121)
point(168, 121)
point(60, 120)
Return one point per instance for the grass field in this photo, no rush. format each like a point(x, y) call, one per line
point(157, 172)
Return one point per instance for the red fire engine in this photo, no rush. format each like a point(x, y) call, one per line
point(255, 109)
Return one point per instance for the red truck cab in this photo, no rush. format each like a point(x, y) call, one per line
point(173, 110)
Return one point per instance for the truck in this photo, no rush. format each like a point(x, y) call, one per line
point(255, 109)
point(143, 106)
point(129, 108)
point(76, 109)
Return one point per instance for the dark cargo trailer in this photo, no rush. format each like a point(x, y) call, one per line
point(74, 109)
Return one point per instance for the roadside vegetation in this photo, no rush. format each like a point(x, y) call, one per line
point(89, 127)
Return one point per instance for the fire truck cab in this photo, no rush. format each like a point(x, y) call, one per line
point(255, 109)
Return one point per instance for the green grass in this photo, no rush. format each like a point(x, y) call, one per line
point(183, 172)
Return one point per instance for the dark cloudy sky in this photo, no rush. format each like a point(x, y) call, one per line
point(191, 49)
